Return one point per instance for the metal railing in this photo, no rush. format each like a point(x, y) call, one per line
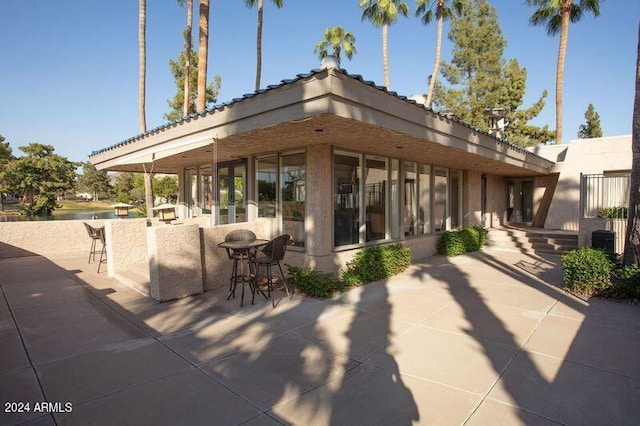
point(604, 196)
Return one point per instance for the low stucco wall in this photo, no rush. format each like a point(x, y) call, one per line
point(126, 243)
point(52, 238)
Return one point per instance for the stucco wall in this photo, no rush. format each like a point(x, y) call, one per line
point(53, 238)
point(126, 243)
point(586, 156)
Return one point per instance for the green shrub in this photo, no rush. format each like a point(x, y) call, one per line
point(453, 243)
point(377, 262)
point(586, 270)
point(626, 283)
point(614, 212)
point(315, 283)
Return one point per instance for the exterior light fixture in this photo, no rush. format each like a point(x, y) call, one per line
point(166, 212)
point(121, 209)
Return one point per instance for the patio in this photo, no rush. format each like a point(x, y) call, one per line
point(486, 338)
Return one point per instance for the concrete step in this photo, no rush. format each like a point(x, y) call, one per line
point(551, 242)
point(136, 277)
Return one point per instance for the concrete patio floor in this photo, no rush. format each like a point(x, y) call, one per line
point(486, 338)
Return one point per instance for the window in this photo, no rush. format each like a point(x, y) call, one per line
point(424, 200)
point(376, 197)
point(455, 198)
point(347, 174)
point(440, 193)
point(410, 218)
point(205, 200)
point(293, 190)
point(191, 191)
point(266, 173)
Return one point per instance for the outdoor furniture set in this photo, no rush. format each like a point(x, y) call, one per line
point(250, 256)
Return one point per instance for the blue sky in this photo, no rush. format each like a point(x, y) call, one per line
point(69, 74)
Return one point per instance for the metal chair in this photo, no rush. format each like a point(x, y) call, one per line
point(239, 256)
point(271, 255)
point(93, 234)
point(103, 251)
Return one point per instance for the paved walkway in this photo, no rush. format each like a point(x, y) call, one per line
point(487, 338)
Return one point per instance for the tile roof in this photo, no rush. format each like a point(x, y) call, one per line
point(358, 77)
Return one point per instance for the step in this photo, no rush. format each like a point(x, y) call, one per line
point(551, 242)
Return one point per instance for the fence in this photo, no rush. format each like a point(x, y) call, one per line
point(605, 197)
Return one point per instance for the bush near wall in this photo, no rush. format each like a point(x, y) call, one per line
point(587, 270)
point(315, 283)
point(377, 262)
point(470, 239)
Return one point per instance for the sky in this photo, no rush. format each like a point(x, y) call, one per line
point(69, 68)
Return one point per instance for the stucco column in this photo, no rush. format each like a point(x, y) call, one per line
point(319, 208)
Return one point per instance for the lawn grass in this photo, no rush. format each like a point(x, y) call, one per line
point(93, 206)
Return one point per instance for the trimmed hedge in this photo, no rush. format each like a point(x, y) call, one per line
point(453, 243)
point(377, 262)
point(587, 270)
point(315, 283)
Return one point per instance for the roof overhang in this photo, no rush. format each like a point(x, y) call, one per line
point(324, 107)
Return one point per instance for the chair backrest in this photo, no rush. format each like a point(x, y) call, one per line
point(101, 235)
point(276, 248)
point(240, 235)
point(93, 232)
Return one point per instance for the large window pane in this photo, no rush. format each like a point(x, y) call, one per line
point(293, 190)
point(455, 198)
point(440, 192)
point(376, 197)
point(191, 191)
point(224, 193)
point(240, 199)
point(206, 190)
point(394, 202)
point(424, 213)
point(266, 174)
point(347, 173)
point(410, 218)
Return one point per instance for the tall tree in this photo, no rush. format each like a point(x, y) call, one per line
point(260, 4)
point(591, 129)
point(339, 41)
point(142, 77)
point(479, 81)
point(442, 12)
point(5, 157)
point(177, 103)
point(93, 180)
point(382, 13)
point(39, 177)
point(203, 49)
point(557, 15)
point(632, 239)
point(186, 91)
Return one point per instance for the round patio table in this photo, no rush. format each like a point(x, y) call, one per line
point(242, 253)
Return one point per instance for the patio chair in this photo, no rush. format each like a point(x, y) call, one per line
point(271, 255)
point(93, 234)
point(103, 251)
point(238, 255)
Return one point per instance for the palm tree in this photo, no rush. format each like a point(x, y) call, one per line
point(187, 49)
point(442, 12)
point(260, 3)
point(556, 15)
point(339, 40)
point(202, 54)
point(142, 77)
point(383, 13)
point(632, 238)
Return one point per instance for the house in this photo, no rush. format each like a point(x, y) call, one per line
point(337, 162)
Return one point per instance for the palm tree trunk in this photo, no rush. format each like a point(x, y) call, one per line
point(142, 57)
point(385, 58)
point(560, 72)
point(259, 45)
point(142, 77)
point(187, 60)
point(202, 55)
point(436, 62)
point(632, 239)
